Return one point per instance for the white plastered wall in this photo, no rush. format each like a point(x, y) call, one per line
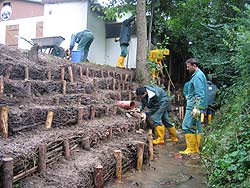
point(97, 48)
point(27, 29)
point(60, 20)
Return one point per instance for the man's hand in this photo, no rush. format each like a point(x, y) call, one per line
point(135, 110)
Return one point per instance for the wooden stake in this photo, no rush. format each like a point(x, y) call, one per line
point(87, 72)
point(99, 182)
point(92, 113)
point(118, 157)
point(42, 158)
point(85, 143)
point(126, 77)
point(110, 136)
point(140, 149)
point(71, 79)
point(80, 115)
point(28, 88)
point(64, 87)
point(150, 145)
point(49, 119)
point(80, 72)
point(7, 72)
point(1, 85)
point(115, 110)
point(62, 72)
point(26, 73)
point(66, 149)
point(49, 75)
point(4, 110)
point(7, 169)
point(102, 73)
point(113, 84)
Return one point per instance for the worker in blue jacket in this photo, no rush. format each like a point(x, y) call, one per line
point(84, 40)
point(157, 102)
point(196, 101)
point(125, 35)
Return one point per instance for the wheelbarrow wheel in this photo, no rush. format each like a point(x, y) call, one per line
point(58, 51)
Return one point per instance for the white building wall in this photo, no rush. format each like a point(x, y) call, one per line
point(63, 19)
point(27, 29)
point(97, 48)
point(113, 51)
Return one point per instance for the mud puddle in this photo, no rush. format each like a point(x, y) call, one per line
point(167, 170)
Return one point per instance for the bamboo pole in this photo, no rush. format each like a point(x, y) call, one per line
point(140, 149)
point(26, 73)
point(4, 110)
point(150, 145)
point(1, 85)
point(99, 182)
point(66, 149)
point(7, 169)
point(118, 157)
point(49, 119)
point(71, 79)
point(80, 115)
point(64, 87)
point(42, 158)
point(62, 72)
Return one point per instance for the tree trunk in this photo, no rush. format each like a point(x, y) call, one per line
point(142, 73)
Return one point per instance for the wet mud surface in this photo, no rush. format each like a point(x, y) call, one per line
point(168, 169)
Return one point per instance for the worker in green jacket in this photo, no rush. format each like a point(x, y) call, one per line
point(196, 101)
point(125, 35)
point(84, 40)
point(157, 102)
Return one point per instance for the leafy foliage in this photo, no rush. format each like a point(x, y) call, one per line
point(227, 146)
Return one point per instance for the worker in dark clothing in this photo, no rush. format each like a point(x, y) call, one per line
point(124, 40)
point(196, 101)
point(211, 93)
point(157, 102)
point(84, 40)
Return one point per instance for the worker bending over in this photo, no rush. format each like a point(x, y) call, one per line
point(84, 39)
point(157, 102)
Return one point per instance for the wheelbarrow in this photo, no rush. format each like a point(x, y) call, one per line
point(50, 45)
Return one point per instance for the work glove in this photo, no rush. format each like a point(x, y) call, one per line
point(196, 113)
point(143, 117)
point(136, 110)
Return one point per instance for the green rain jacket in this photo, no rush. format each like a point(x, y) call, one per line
point(197, 91)
point(157, 103)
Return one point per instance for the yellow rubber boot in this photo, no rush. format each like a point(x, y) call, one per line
point(159, 132)
point(198, 143)
point(191, 144)
point(173, 135)
point(202, 118)
point(120, 62)
point(209, 118)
